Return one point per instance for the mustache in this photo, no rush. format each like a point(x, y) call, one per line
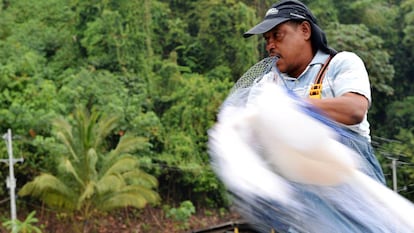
point(273, 53)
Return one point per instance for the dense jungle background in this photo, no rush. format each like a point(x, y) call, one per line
point(110, 101)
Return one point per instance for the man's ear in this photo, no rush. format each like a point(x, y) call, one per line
point(306, 29)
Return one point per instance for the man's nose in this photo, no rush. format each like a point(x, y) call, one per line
point(270, 46)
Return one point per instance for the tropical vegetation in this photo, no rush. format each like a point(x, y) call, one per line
point(111, 100)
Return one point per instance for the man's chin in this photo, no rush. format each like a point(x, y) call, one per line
point(280, 67)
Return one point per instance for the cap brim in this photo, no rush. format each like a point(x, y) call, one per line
point(265, 26)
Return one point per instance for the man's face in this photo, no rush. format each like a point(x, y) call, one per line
point(287, 41)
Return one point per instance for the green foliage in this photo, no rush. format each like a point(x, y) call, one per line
point(171, 27)
point(378, 15)
point(401, 149)
point(32, 107)
point(408, 10)
point(358, 39)
point(220, 26)
point(192, 112)
point(400, 116)
point(42, 34)
point(91, 175)
point(182, 214)
point(164, 67)
point(381, 19)
point(27, 226)
point(324, 10)
point(89, 88)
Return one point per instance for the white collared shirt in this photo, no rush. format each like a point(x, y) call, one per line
point(346, 73)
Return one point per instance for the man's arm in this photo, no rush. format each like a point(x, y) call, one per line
point(348, 109)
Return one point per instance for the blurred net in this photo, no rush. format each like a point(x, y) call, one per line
point(255, 73)
point(270, 201)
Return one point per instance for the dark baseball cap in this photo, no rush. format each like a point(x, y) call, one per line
point(286, 10)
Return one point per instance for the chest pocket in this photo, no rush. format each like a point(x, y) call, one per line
point(316, 88)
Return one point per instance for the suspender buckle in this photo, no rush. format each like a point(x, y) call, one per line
point(315, 91)
point(316, 88)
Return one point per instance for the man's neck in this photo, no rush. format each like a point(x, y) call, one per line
point(305, 61)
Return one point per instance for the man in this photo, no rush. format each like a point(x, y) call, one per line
point(336, 83)
point(261, 155)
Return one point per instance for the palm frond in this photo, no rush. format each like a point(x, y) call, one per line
point(64, 134)
point(87, 193)
point(63, 126)
point(90, 129)
point(82, 117)
point(129, 143)
point(150, 195)
point(92, 159)
point(140, 177)
point(66, 166)
point(56, 200)
point(123, 200)
point(90, 177)
point(111, 182)
point(49, 189)
point(135, 196)
point(45, 183)
point(120, 165)
point(104, 128)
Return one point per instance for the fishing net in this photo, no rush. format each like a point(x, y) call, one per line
point(255, 73)
point(291, 169)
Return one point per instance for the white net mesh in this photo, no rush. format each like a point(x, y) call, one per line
point(243, 143)
point(255, 73)
point(241, 90)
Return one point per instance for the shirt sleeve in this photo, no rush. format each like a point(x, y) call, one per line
point(349, 74)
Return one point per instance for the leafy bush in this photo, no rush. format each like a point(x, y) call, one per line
point(27, 226)
point(182, 214)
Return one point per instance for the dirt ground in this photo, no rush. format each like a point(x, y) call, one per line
point(148, 220)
